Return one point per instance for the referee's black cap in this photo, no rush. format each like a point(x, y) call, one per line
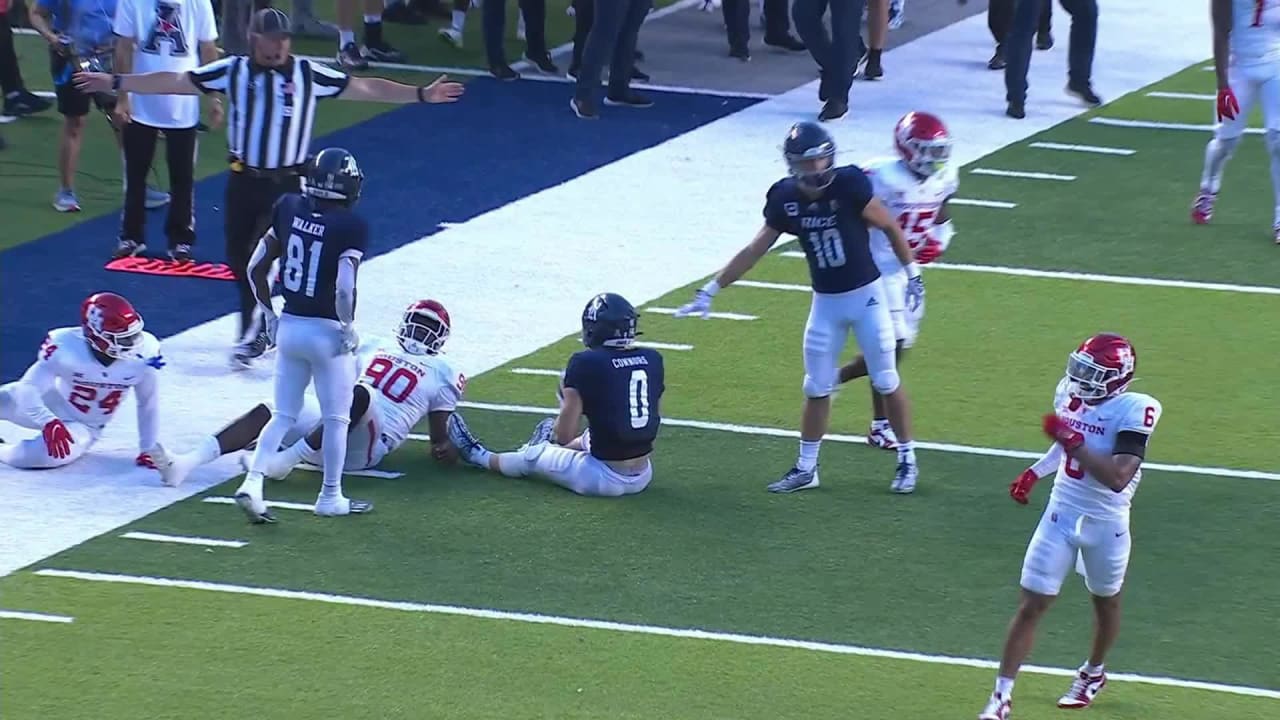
point(270, 21)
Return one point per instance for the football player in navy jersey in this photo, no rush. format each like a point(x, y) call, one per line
point(617, 386)
point(830, 209)
point(319, 241)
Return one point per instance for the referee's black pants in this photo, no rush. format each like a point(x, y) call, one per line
point(838, 53)
point(246, 216)
point(139, 143)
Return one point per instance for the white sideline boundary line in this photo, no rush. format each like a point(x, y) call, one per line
point(1097, 149)
point(1152, 125)
point(277, 504)
point(683, 633)
point(184, 539)
point(36, 617)
point(662, 345)
point(861, 439)
point(999, 204)
point(1181, 95)
point(535, 371)
point(713, 316)
point(1021, 174)
point(1056, 275)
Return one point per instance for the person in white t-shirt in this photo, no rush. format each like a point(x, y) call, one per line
point(155, 36)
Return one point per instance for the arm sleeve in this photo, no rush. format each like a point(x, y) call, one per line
point(123, 24)
point(29, 391)
point(345, 297)
point(1049, 463)
point(214, 76)
point(327, 82)
point(148, 410)
point(1129, 442)
point(258, 257)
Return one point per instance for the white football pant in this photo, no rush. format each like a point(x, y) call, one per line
point(1099, 550)
point(578, 471)
point(865, 311)
point(1253, 84)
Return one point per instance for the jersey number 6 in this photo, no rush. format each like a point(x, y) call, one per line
point(301, 265)
point(639, 400)
point(828, 249)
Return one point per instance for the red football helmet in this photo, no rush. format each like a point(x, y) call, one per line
point(923, 142)
point(1102, 367)
point(424, 328)
point(111, 325)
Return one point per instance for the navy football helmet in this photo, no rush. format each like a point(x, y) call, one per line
point(334, 175)
point(811, 155)
point(609, 321)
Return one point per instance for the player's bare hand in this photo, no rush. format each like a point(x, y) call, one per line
point(92, 82)
point(121, 114)
point(350, 340)
point(1020, 489)
point(444, 453)
point(443, 90)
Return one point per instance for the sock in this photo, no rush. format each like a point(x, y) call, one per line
point(268, 443)
point(1004, 687)
point(207, 451)
point(481, 456)
point(459, 20)
point(1216, 155)
point(808, 455)
point(345, 38)
point(907, 452)
point(513, 464)
point(873, 55)
point(1092, 670)
point(880, 423)
point(334, 448)
point(373, 30)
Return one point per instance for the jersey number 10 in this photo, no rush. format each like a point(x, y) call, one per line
point(828, 248)
point(301, 265)
point(639, 400)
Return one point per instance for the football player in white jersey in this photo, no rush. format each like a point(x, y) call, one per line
point(1100, 433)
point(915, 187)
point(1246, 58)
point(75, 385)
point(401, 384)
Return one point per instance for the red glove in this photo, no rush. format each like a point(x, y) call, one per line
point(144, 460)
point(1228, 106)
point(1020, 489)
point(928, 252)
point(57, 439)
point(1060, 432)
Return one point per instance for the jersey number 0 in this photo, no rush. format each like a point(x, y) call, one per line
point(639, 400)
point(301, 265)
point(828, 248)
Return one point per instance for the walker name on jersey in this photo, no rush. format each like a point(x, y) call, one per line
point(314, 229)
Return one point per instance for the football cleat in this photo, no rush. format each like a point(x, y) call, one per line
point(1083, 690)
point(341, 505)
point(171, 473)
point(542, 432)
point(451, 36)
point(881, 436)
point(904, 479)
point(460, 435)
point(795, 479)
point(249, 498)
point(1276, 232)
point(1202, 208)
point(998, 708)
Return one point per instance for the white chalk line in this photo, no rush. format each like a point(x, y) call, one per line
point(1021, 174)
point(713, 316)
point(861, 439)
point(1181, 95)
point(998, 204)
point(380, 474)
point(535, 371)
point(684, 633)
point(183, 539)
point(34, 617)
point(275, 504)
point(1153, 125)
point(1096, 149)
point(662, 345)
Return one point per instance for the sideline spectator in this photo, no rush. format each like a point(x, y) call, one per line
point(1000, 19)
point(584, 13)
point(615, 27)
point(836, 54)
point(352, 56)
point(494, 17)
point(152, 36)
point(774, 17)
point(17, 100)
point(1083, 39)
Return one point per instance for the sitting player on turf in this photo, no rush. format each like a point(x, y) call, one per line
point(1100, 435)
point(75, 385)
point(617, 386)
point(399, 387)
point(914, 187)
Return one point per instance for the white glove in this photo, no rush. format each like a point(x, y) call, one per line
point(350, 340)
point(915, 287)
point(701, 306)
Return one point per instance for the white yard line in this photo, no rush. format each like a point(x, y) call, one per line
point(35, 617)
point(380, 474)
point(1096, 149)
point(772, 285)
point(861, 439)
point(1021, 174)
point(662, 345)
point(712, 316)
point(1000, 204)
point(184, 540)
point(535, 371)
point(584, 623)
point(1181, 95)
point(1152, 125)
point(277, 504)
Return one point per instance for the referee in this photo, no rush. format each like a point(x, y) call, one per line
point(271, 106)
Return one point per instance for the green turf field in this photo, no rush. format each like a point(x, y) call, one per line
point(706, 547)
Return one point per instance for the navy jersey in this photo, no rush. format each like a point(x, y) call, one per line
point(313, 239)
point(831, 229)
point(620, 390)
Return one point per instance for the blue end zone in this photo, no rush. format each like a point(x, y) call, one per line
point(425, 165)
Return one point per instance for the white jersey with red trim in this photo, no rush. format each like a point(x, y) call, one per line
point(69, 382)
point(1255, 31)
point(405, 388)
point(1073, 487)
point(915, 202)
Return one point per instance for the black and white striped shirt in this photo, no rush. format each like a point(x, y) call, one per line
point(270, 111)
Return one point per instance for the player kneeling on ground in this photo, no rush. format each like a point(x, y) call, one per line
point(1100, 435)
point(401, 384)
point(617, 386)
point(75, 385)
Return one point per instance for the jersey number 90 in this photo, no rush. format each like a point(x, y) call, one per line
point(828, 248)
point(301, 265)
point(639, 399)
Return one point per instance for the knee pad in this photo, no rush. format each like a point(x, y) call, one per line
point(885, 381)
point(814, 389)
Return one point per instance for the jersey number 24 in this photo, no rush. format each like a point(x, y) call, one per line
point(301, 265)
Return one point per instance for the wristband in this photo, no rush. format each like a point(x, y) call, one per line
point(421, 97)
point(711, 288)
point(116, 81)
point(913, 270)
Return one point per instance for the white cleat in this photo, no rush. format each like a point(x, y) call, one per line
point(451, 36)
point(904, 478)
point(249, 498)
point(881, 436)
point(998, 708)
point(174, 469)
point(341, 505)
point(1083, 690)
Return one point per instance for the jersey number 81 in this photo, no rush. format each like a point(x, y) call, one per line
point(300, 265)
